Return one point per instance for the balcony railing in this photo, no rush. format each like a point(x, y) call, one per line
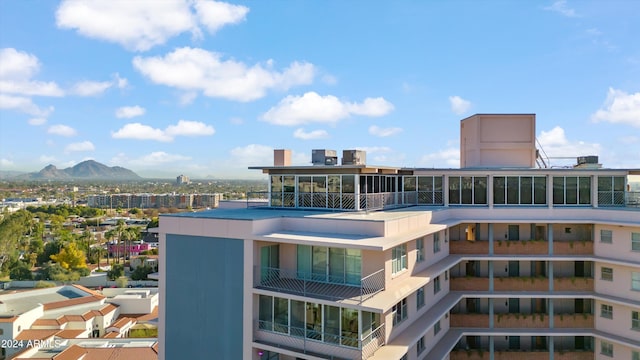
point(521, 247)
point(323, 344)
point(521, 283)
point(349, 287)
point(520, 354)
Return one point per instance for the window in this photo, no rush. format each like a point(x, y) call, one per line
point(571, 190)
point(399, 311)
point(420, 298)
point(635, 241)
point(519, 190)
point(436, 328)
point(334, 265)
point(606, 311)
point(611, 190)
point(635, 281)
point(635, 320)
point(606, 236)
point(398, 258)
point(606, 273)
point(606, 348)
point(467, 190)
point(419, 249)
point(635, 355)
point(436, 242)
point(436, 285)
point(420, 345)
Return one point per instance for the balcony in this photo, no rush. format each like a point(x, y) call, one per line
point(520, 321)
point(320, 344)
point(521, 247)
point(573, 284)
point(520, 355)
point(469, 283)
point(324, 200)
point(355, 290)
point(464, 247)
point(583, 247)
point(521, 283)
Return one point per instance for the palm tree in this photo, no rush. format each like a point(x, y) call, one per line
point(109, 235)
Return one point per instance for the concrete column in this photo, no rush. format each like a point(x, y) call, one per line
point(445, 190)
point(490, 239)
point(490, 191)
point(490, 275)
point(550, 340)
point(594, 191)
point(551, 325)
point(491, 348)
point(356, 194)
point(550, 274)
point(550, 238)
point(491, 313)
point(550, 191)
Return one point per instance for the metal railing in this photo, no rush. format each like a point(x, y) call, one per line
point(314, 341)
point(339, 201)
point(347, 286)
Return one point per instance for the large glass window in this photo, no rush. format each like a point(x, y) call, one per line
point(265, 308)
point(519, 190)
point(332, 324)
point(420, 298)
point(297, 318)
point(398, 258)
point(349, 327)
point(571, 190)
point(635, 281)
point(611, 190)
point(436, 243)
point(281, 315)
point(635, 320)
point(419, 249)
point(635, 241)
point(399, 311)
point(468, 190)
point(429, 189)
point(314, 321)
point(334, 265)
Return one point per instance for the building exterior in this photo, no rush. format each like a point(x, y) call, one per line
point(147, 201)
point(489, 261)
point(183, 180)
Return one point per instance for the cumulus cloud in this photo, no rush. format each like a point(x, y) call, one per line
point(80, 147)
point(16, 71)
point(37, 121)
point(384, 132)
point(459, 105)
point(23, 104)
point(6, 162)
point(311, 135)
point(62, 130)
point(556, 144)
point(152, 159)
point(188, 98)
point(251, 155)
point(193, 69)
point(561, 7)
point(216, 14)
point(189, 128)
point(314, 108)
point(129, 112)
point(449, 157)
point(139, 131)
point(90, 88)
point(619, 108)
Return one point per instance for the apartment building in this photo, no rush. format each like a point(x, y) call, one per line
point(502, 258)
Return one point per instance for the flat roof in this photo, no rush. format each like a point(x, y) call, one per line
point(17, 303)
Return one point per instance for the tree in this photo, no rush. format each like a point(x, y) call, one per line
point(117, 270)
point(141, 272)
point(20, 271)
point(70, 257)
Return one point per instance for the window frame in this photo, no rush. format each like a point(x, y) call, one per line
point(420, 249)
point(437, 246)
point(606, 273)
point(436, 285)
point(635, 241)
point(635, 320)
point(420, 346)
point(635, 281)
point(399, 259)
point(399, 311)
point(608, 239)
point(606, 348)
point(420, 298)
point(437, 327)
point(606, 311)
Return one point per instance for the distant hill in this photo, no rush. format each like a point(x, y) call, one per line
point(86, 170)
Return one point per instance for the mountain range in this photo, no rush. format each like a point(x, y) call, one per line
point(86, 170)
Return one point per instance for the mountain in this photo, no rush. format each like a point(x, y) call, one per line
point(86, 170)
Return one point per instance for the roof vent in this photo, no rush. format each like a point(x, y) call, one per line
point(324, 157)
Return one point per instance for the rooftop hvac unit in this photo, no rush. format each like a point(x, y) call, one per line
point(354, 157)
point(324, 157)
point(591, 159)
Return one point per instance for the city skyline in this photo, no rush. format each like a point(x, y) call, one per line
point(209, 88)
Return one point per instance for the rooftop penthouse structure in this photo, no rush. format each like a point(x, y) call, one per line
point(503, 257)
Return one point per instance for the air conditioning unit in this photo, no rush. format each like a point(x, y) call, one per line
point(354, 157)
point(324, 157)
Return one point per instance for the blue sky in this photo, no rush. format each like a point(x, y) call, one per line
point(209, 88)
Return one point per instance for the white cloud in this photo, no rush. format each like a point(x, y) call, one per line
point(189, 128)
point(459, 105)
point(120, 82)
point(556, 144)
point(152, 159)
point(619, 108)
point(313, 108)
point(23, 104)
point(311, 135)
point(251, 155)
point(16, 70)
point(136, 25)
point(384, 132)
point(329, 79)
point(145, 132)
point(141, 132)
point(188, 98)
point(91, 88)
point(216, 14)
point(47, 159)
point(449, 157)
point(193, 69)
point(37, 121)
point(6, 162)
point(80, 147)
point(561, 7)
point(62, 130)
point(129, 112)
